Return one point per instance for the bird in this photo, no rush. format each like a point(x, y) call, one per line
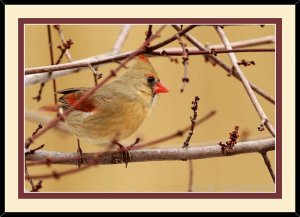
point(115, 109)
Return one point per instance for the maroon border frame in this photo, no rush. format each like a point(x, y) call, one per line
point(178, 195)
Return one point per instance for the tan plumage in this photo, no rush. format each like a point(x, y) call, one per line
point(116, 109)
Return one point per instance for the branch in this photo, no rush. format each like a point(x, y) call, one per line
point(175, 52)
point(191, 176)
point(268, 164)
point(185, 62)
point(193, 121)
point(62, 39)
point(121, 39)
point(270, 39)
point(245, 82)
point(44, 120)
point(218, 61)
point(158, 154)
point(52, 61)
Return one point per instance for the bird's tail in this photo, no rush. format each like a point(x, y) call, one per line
point(50, 108)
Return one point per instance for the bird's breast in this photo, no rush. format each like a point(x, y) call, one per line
point(119, 120)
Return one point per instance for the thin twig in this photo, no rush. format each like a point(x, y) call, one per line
point(230, 144)
point(52, 62)
point(176, 134)
point(185, 62)
point(38, 97)
point(62, 39)
point(63, 49)
point(148, 33)
point(92, 90)
point(176, 52)
point(32, 151)
point(121, 39)
point(30, 140)
point(268, 164)
point(245, 82)
point(95, 73)
point(228, 69)
point(191, 176)
point(144, 155)
point(270, 39)
point(28, 178)
point(173, 38)
point(193, 121)
point(115, 50)
point(34, 188)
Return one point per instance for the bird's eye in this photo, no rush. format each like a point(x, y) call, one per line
point(150, 80)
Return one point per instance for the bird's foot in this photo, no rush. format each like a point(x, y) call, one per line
point(80, 154)
point(125, 150)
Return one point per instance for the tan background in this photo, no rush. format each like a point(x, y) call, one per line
point(285, 204)
point(172, 111)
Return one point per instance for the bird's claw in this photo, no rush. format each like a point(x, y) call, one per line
point(125, 151)
point(79, 155)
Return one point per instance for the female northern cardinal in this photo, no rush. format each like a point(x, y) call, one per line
point(116, 109)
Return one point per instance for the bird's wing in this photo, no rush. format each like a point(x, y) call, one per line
point(71, 95)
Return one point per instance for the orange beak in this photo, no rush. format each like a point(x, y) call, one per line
point(160, 88)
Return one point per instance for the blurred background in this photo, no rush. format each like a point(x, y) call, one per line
point(217, 91)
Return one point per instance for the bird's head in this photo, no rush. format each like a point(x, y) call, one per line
point(143, 77)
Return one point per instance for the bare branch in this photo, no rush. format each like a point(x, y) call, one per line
point(193, 121)
point(268, 164)
point(175, 52)
point(148, 33)
point(43, 119)
point(52, 62)
point(158, 154)
point(95, 74)
point(121, 39)
point(185, 62)
point(245, 82)
point(191, 176)
point(270, 39)
point(62, 39)
point(34, 187)
point(218, 61)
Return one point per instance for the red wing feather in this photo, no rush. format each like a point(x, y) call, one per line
point(71, 98)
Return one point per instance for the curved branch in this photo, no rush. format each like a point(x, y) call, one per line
point(159, 154)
